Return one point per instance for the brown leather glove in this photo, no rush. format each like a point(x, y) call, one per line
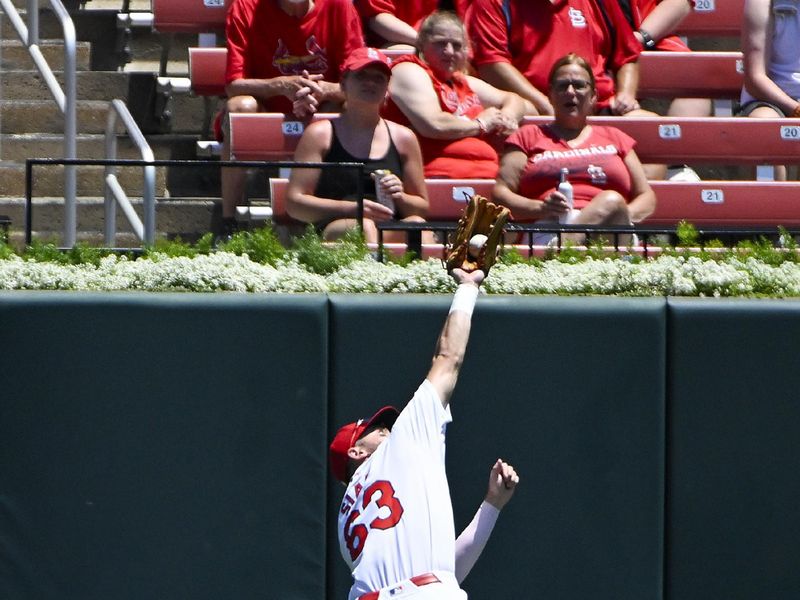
point(480, 217)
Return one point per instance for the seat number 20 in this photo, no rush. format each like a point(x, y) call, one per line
point(355, 535)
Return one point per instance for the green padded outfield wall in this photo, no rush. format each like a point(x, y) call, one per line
point(571, 390)
point(162, 446)
point(733, 508)
point(173, 446)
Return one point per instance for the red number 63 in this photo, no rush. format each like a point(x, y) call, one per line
point(355, 536)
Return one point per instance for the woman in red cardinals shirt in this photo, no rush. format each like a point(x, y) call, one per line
point(609, 184)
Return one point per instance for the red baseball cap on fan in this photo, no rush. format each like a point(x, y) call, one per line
point(347, 436)
point(367, 57)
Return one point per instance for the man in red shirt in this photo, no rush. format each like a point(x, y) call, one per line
point(283, 56)
point(516, 42)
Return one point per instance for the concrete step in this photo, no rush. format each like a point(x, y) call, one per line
point(49, 26)
point(24, 116)
point(190, 218)
point(202, 180)
point(92, 85)
point(19, 147)
point(89, 5)
point(188, 113)
point(15, 56)
point(48, 180)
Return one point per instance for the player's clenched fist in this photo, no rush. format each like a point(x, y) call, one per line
point(503, 479)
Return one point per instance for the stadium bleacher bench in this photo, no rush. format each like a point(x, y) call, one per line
point(662, 74)
point(271, 136)
point(729, 140)
point(691, 75)
point(704, 203)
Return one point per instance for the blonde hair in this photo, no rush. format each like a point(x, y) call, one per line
point(430, 22)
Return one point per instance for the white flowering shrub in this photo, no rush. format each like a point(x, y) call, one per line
point(667, 275)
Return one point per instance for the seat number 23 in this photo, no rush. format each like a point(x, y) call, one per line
point(355, 535)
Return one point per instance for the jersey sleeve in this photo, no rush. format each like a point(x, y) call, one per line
point(621, 140)
point(524, 139)
point(488, 32)
point(423, 421)
point(237, 26)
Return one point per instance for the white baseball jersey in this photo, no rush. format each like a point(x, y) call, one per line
point(396, 518)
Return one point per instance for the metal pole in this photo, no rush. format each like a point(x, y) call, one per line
point(70, 121)
point(110, 170)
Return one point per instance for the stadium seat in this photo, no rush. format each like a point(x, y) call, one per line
point(447, 196)
point(727, 203)
point(277, 194)
point(271, 136)
point(713, 18)
point(190, 16)
point(207, 71)
point(691, 75)
point(266, 136)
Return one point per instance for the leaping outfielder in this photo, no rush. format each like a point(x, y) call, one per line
point(396, 529)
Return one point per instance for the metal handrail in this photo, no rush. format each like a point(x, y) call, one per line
point(65, 98)
point(152, 163)
point(114, 193)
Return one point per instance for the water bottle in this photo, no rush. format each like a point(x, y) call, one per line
point(380, 196)
point(565, 187)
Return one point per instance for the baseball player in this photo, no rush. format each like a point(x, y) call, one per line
point(395, 523)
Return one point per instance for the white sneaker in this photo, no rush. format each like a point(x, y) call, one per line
point(682, 173)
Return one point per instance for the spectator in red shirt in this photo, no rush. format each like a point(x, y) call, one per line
point(283, 56)
point(459, 119)
point(609, 183)
point(515, 41)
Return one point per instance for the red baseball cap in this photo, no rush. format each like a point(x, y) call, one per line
point(346, 437)
point(367, 57)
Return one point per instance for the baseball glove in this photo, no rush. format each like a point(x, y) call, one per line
point(480, 217)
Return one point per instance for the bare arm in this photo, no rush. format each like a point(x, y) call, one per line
point(757, 23)
point(512, 106)
point(505, 76)
point(393, 29)
point(643, 198)
point(665, 18)
point(308, 92)
point(512, 163)
point(412, 198)
point(452, 344)
point(626, 85)
point(412, 91)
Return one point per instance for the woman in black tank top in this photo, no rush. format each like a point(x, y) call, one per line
point(392, 179)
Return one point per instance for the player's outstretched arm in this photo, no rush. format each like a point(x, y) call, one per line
point(452, 344)
point(503, 479)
